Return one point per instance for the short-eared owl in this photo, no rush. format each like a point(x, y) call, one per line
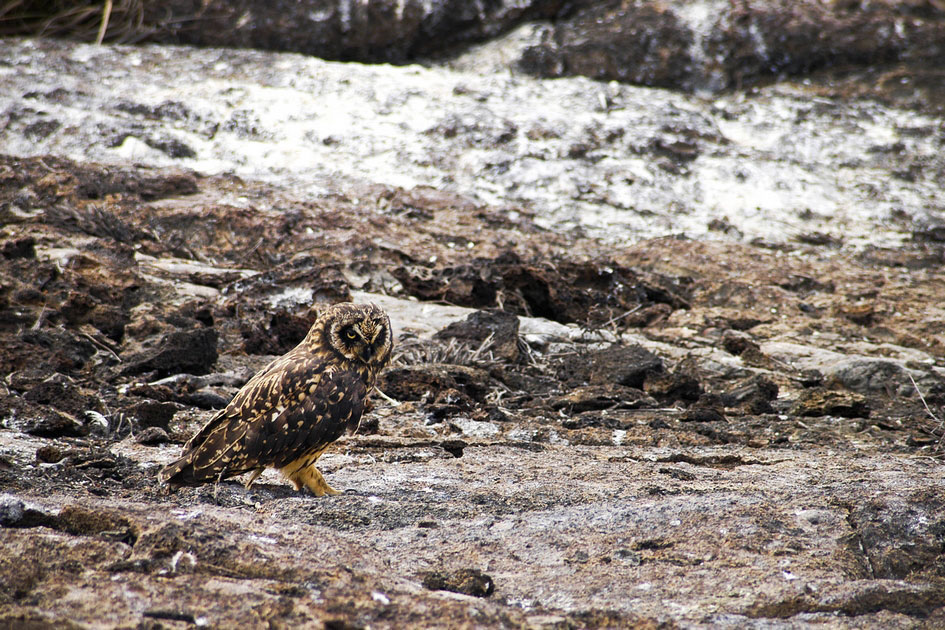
point(291, 411)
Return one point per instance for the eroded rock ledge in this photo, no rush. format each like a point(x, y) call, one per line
point(708, 45)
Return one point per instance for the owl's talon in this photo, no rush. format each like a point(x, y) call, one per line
point(253, 477)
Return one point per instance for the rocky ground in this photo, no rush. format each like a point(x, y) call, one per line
point(676, 432)
point(739, 423)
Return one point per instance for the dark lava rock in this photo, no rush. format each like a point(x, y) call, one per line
point(502, 327)
point(110, 320)
point(60, 392)
point(11, 511)
point(82, 521)
point(54, 424)
point(708, 408)
point(189, 351)
point(901, 536)
point(591, 293)
point(28, 378)
point(810, 378)
point(657, 44)
point(369, 31)
point(39, 420)
point(641, 43)
point(465, 285)
point(151, 413)
point(596, 419)
point(756, 386)
point(489, 413)
point(869, 375)
point(205, 399)
point(96, 463)
point(326, 281)
point(737, 342)
point(161, 393)
point(623, 365)
point(62, 350)
point(19, 248)
point(932, 232)
point(14, 512)
point(60, 177)
point(466, 581)
point(648, 315)
point(421, 382)
point(276, 331)
point(754, 394)
point(449, 402)
point(824, 402)
point(284, 331)
point(671, 387)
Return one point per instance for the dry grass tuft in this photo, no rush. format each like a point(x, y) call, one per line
point(119, 21)
point(453, 352)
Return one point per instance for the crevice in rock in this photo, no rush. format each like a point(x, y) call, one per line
point(914, 600)
point(714, 461)
point(856, 545)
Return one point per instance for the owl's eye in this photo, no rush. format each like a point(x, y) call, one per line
point(350, 334)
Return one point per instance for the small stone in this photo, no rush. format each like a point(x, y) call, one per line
point(753, 394)
point(151, 413)
point(28, 378)
point(466, 581)
point(736, 342)
point(862, 314)
point(702, 414)
point(153, 436)
point(823, 402)
point(205, 399)
point(49, 454)
point(869, 375)
point(546, 622)
point(11, 510)
point(670, 387)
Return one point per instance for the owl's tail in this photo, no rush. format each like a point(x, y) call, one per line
point(207, 456)
point(183, 473)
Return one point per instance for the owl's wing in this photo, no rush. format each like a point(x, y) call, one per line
point(281, 413)
point(331, 402)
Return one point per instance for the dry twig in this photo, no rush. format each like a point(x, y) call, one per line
point(928, 410)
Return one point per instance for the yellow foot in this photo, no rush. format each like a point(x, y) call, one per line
point(311, 478)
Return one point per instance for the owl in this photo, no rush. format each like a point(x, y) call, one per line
point(290, 412)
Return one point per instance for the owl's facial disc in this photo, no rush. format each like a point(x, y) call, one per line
point(363, 340)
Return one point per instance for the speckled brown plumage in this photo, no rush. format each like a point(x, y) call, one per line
point(289, 413)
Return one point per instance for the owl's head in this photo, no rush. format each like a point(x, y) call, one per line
point(360, 333)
